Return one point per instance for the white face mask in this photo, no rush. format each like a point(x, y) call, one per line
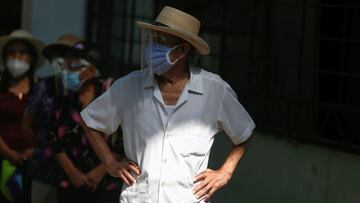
point(17, 67)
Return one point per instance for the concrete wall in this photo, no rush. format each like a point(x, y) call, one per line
point(48, 19)
point(276, 170)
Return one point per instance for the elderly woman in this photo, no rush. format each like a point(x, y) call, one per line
point(36, 120)
point(82, 177)
point(20, 55)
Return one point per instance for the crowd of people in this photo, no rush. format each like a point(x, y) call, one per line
point(60, 136)
point(44, 154)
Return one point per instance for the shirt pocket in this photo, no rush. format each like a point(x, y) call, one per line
point(191, 143)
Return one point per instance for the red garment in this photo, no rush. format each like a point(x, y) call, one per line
point(11, 113)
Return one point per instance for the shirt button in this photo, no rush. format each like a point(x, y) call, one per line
point(165, 160)
point(162, 184)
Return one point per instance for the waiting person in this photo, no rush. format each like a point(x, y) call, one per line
point(20, 55)
point(37, 120)
point(169, 113)
point(83, 178)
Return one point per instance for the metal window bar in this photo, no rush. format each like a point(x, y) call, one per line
point(259, 34)
point(332, 107)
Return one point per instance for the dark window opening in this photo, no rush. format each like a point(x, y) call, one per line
point(294, 64)
point(10, 16)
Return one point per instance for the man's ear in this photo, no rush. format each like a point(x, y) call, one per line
point(185, 50)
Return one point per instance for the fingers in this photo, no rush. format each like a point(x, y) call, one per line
point(204, 191)
point(130, 178)
point(209, 194)
point(126, 170)
point(133, 168)
point(132, 163)
point(207, 183)
point(201, 180)
point(201, 176)
point(77, 183)
point(93, 185)
point(81, 180)
point(129, 171)
point(122, 177)
point(87, 181)
point(199, 186)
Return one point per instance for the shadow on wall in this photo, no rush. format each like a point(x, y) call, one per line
point(275, 170)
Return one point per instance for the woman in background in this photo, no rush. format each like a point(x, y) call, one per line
point(20, 55)
point(37, 120)
point(82, 178)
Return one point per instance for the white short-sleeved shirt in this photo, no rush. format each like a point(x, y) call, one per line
point(169, 149)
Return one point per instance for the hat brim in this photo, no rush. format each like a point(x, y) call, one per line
point(38, 45)
point(199, 44)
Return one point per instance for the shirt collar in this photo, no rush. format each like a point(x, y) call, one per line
point(149, 79)
point(194, 84)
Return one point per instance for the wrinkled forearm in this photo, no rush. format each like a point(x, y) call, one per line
point(233, 159)
point(98, 143)
point(100, 169)
point(66, 164)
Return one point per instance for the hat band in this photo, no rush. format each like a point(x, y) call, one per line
point(159, 24)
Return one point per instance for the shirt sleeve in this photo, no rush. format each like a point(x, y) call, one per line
point(104, 113)
point(234, 119)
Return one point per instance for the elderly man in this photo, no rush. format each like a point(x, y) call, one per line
point(169, 113)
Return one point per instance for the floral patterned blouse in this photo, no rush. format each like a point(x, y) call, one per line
point(42, 164)
point(68, 136)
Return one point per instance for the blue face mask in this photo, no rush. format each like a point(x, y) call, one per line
point(157, 57)
point(71, 81)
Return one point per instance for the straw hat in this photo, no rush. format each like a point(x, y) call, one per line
point(24, 35)
point(63, 45)
point(72, 44)
point(180, 24)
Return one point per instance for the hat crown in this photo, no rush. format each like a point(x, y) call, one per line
point(21, 34)
point(68, 39)
point(24, 35)
point(179, 20)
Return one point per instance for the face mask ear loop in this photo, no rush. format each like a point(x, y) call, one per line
point(168, 54)
point(83, 70)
